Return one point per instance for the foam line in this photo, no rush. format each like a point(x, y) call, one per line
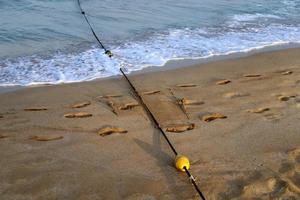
point(155, 50)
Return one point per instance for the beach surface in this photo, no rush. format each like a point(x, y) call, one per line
point(93, 140)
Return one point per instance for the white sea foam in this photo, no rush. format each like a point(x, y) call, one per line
point(135, 55)
point(252, 17)
point(290, 3)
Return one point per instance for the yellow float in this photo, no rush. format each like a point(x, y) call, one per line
point(181, 162)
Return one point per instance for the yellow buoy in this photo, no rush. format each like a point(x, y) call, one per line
point(181, 162)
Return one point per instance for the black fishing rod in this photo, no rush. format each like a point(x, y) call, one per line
point(151, 116)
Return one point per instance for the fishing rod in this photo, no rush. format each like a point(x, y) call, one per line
point(181, 162)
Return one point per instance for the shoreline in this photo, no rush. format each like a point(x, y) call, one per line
point(173, 64)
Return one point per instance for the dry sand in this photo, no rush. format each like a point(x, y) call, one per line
point(245, 144)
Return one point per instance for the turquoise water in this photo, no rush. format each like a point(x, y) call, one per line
point(48, 41)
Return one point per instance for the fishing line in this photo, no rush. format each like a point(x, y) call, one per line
point(107, 52)
point(151, 116)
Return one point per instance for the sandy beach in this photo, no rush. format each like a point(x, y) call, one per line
point(93, 140)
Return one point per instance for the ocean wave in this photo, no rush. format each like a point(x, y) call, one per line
point(291, 3)
point(135, 55)
point(252, 17)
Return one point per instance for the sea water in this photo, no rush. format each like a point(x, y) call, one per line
point(48, 41)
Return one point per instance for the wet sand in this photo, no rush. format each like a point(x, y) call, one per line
point(93, 140)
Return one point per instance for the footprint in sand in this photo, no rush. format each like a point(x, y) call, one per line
point(285, 97)
point(258, 110)
point(108, 130)
point(3, 136)
point(187, 85)
point(110, 96)
point(223, 82)
point(81, 105)
point(188, 102)
point(78, 115)
point(112, 106)
point(213, 116)
point(151, 92)
point(34, 109)
point(252, 75)
point(128, 106)
point(232, 95)
point(287, 72)
point(179, 128)
point(1, 116)
point(45, 138)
